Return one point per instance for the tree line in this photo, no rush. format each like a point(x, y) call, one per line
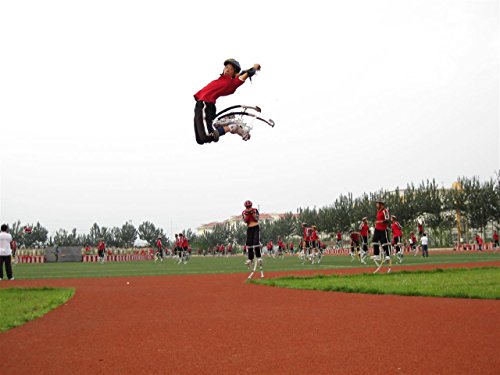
point(469, 207)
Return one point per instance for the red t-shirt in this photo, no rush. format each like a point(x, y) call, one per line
point(355, 236)
point(339, 236)
point(363, 229)
point(250, 215)
point(159, 244)
point(222, 86)
point(101, 246)
point(396, 229)
point(307, 234)
point(185, 242)
point(495, 236)
point(382, 215)
point(314, 236)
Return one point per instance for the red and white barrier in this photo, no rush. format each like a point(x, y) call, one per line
point(474, 247)
point(30, 259)
point(117, 258)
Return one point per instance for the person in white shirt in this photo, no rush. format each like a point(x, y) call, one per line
point(5, 252)
point(425, 242)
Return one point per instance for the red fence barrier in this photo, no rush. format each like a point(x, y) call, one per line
point(117, 258)
point(30, 259)
point(474, 246)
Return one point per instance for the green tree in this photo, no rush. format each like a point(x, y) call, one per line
point(128, 234)
point(17, 232)
point(148, 232)
point(37, 237)
point(94, 234)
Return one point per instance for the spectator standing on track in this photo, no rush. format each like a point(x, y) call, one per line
point(5, 252)
point(425, 245)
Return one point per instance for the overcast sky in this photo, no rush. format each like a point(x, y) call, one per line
point(96, 105)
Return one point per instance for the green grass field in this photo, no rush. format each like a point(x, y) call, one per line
point(20, 305)
point(214, 265)
point(483, 283)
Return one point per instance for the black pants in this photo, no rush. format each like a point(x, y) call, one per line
point(380, 236)
point(397, 241)
point(204, 114)
point(365, 243)
point(253, 242)
point(8, 266)
point(354, 245)
point(425, 251)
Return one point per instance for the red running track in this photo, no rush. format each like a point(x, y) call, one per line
point(218, 324)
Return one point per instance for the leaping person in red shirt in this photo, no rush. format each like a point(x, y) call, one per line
point(251, 218)
point(315, 250)
point(101, 248)
point(397, 237)
point(355, 245)
point(159, 250)
point(339, 240)
point(204, 112)
point(420, 228)
point(184, 244)
point(281, 248)
point(381, 237)
point(305, 244)
point(364, 231)
point(413, 244)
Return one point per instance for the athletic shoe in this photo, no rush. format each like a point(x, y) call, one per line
point(243, 132)
point(215, 135)
point(387, 258)
point(11, 278)
point(375, 257)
